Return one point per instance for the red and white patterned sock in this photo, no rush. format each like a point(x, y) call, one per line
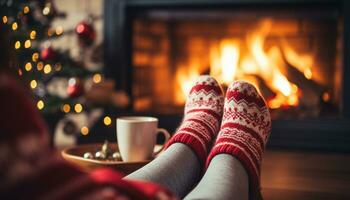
point(245, 129)
point(203, 113)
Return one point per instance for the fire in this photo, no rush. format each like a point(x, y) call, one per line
point(185, 79)
point(225, 61)
point(303, 63)
point(233, 59)
point(281, 83)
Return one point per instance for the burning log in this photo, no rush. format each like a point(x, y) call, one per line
point(263, 87)
point(310, 89)
point(299, 78)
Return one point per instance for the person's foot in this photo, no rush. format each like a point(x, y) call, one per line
point(245, 129)
point(203, 112)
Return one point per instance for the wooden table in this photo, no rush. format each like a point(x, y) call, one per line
point(302, 175)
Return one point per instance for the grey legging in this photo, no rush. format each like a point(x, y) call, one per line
point(179, 170)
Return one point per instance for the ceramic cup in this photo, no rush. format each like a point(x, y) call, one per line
point(137, 137)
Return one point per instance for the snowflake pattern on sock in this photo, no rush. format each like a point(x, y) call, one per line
point(245, 128)
point(203, 113)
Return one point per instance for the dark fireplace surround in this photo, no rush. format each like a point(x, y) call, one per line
point(317, 134)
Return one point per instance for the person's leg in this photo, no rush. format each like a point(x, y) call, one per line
point(235, 159)
point(225, 178)
point(179, 166)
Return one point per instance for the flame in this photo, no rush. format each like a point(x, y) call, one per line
point(302, 62)
point(224, 61)
point(268, 69)
point(228, 63)
point(256, 45)
point(185, 79)
point(229, 60)
point(281, 83)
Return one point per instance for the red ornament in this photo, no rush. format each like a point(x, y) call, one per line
point(86, 33)
point(48, 54)
point(75, 88)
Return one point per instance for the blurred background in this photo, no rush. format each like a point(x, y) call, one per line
point(57, 51)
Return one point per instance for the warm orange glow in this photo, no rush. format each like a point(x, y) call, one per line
point(14, 26)
point(59, 30)
point(326, 97)
point(224, 61)
point(232, 59)
point(97, 78)
point(308, 73)
point(28, 66)
point(47, 69)
point(35, 57)
point(26, 9)
point(32, 35)
point(78, 108)
point(107, 120)
point(27, 44)
point(302, 62)
point(40, 66)
point(66, 108)
point(33, 84)
point(40, 104)
point(185, 80)
point(17, 44)
point(4, 19)
point(84, 130)
point(281, 83)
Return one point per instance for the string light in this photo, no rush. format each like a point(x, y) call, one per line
point(97, 78)
point(28, 66)
point(26, 10)
point(46, 10)
point(27, 44)
point(59, 30)
point(19, 15)
point(78, 108)
point(50, 32)
point(20, 72)
point(107, 120)
point(84, 130)
point(58, 67)
point(14, 26)
point(40, 66)
point(40, 105)
point(47, 69)
point(17, 44)
point(66, 108)
point(4, 19)
point(33, 84)
point(72, 81)
point(32, 35)
point(80, 28)
point(326, 96)
point(35, 57)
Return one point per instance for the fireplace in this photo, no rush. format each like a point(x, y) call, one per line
point(294, 52)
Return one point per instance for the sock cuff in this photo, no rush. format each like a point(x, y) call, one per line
point(198, 147)
point(240, 154)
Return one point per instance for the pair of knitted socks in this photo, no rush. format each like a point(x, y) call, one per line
point(245, 127)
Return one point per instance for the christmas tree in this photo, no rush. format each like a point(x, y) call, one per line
point(61, 85)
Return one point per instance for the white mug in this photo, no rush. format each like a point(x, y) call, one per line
point(137, 137)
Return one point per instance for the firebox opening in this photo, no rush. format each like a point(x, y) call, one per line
point(291, 57)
